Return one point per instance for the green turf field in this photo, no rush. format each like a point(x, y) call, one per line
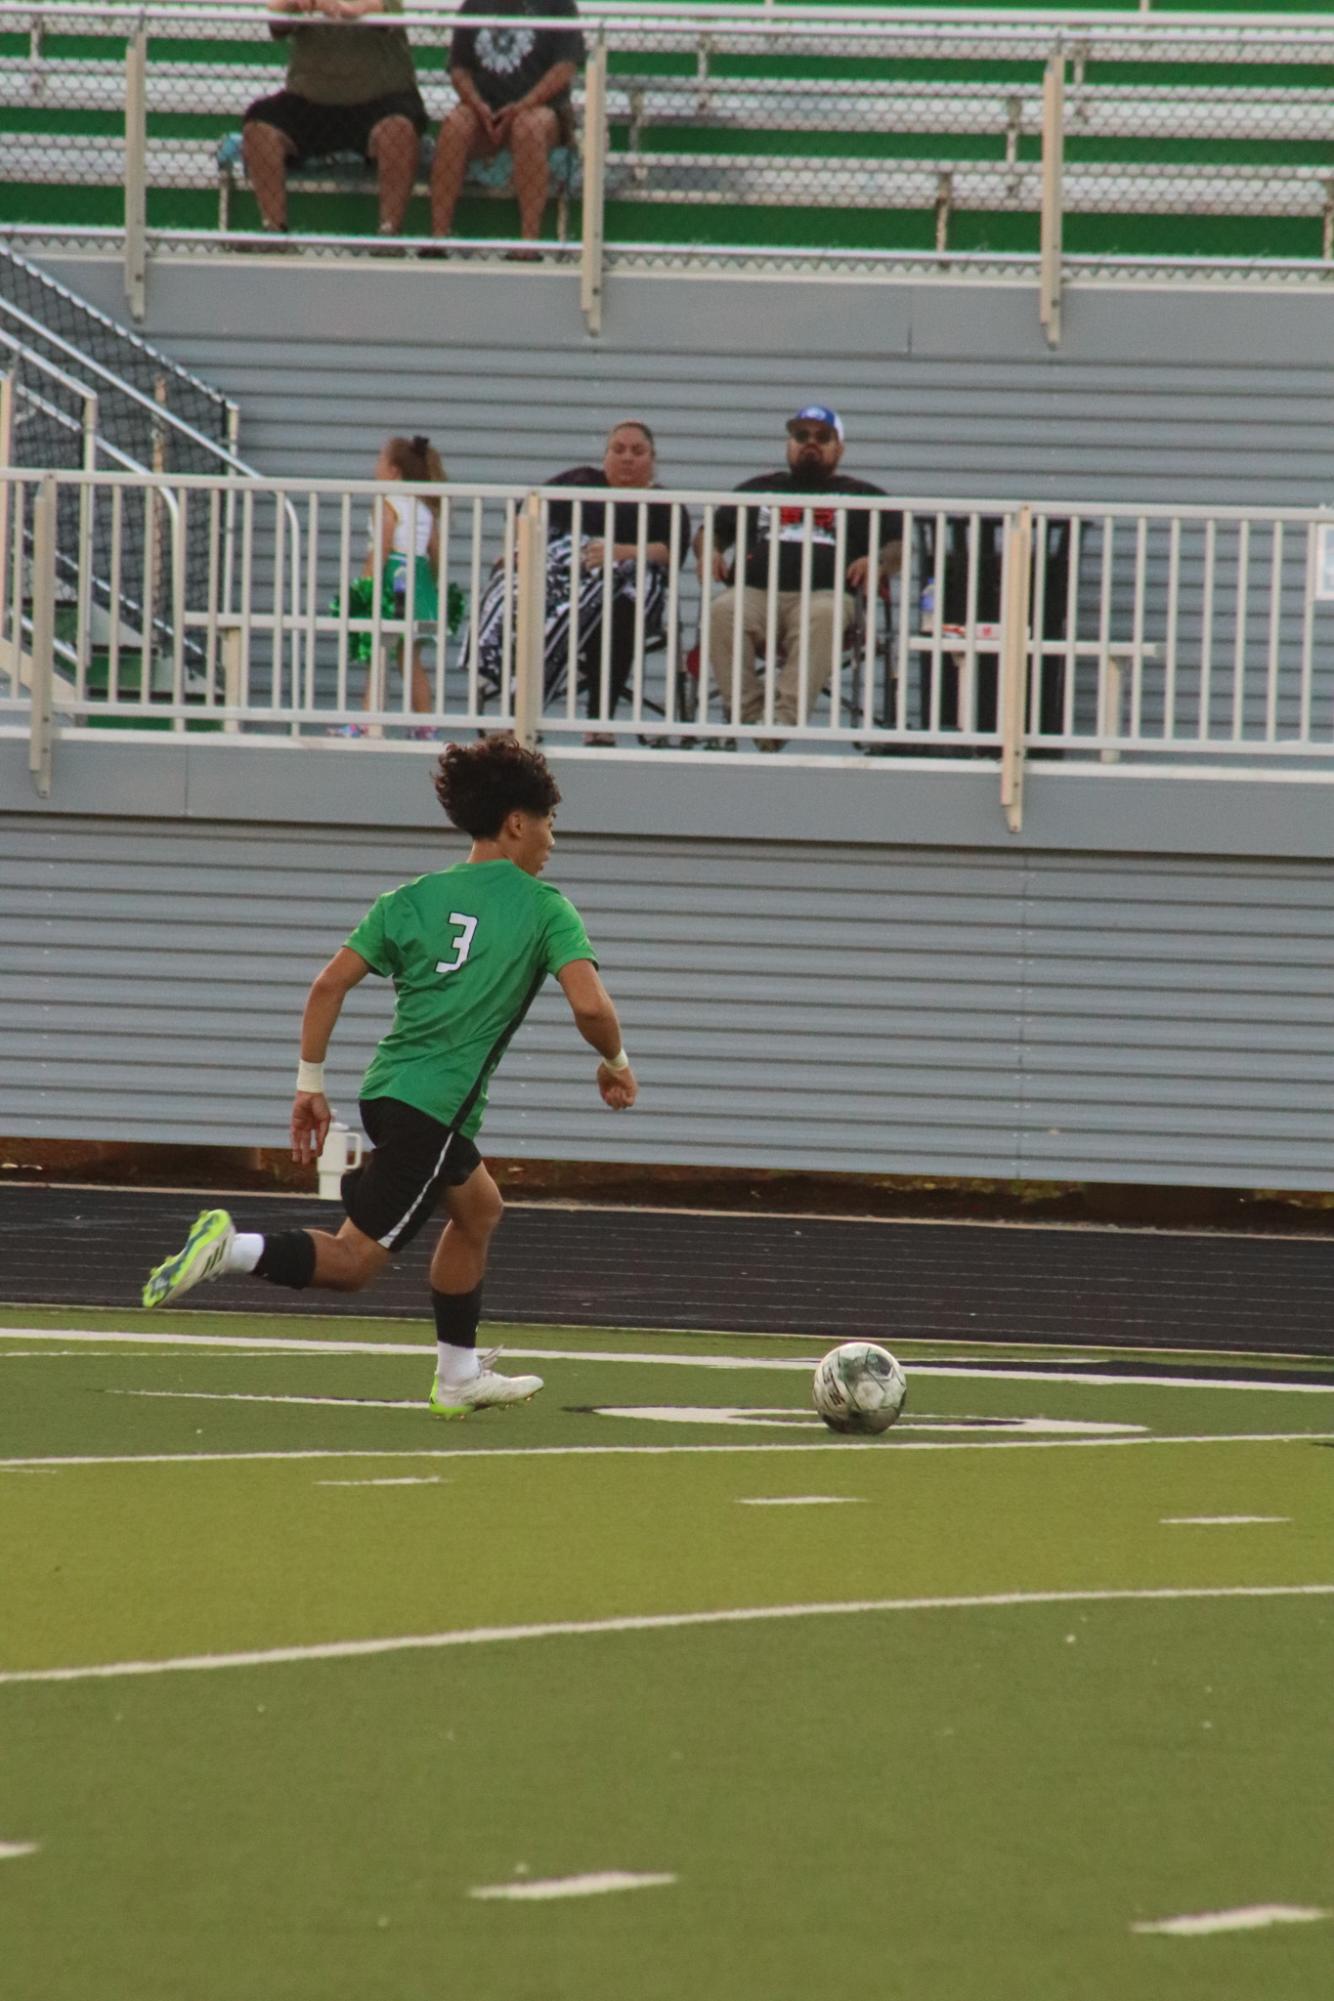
point(709, 1702)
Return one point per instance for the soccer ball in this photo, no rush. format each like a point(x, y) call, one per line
point(859, 1388)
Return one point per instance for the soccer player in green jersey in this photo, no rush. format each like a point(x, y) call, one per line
point(467, 950)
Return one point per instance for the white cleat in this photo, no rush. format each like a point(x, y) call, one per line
point(486, 1391)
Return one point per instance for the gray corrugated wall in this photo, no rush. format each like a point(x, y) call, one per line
point(1177, 394)
point(1161, 1016)
point(874, 1010)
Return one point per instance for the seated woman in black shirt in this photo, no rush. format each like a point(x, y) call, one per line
point(577, 571)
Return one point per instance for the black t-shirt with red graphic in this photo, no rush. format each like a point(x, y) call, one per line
point(790, 530)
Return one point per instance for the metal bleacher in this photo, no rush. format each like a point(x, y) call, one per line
point(731, 137)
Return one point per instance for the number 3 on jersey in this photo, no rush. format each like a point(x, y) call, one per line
point(462, 944)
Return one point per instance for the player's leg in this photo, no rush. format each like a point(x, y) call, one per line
point(293, 1258)
point(465, 1380)
point(391, 1196)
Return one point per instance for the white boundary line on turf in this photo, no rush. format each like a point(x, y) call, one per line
point(597, 1884)
point(464, 1455)
point(476, 1636)
point(1020, 1372)
point(1184, 1357)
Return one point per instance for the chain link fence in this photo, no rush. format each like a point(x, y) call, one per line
point(746, 139)
point(1225, 154)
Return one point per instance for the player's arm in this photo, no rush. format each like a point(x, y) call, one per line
point(310, 1108)
point(595, 1018)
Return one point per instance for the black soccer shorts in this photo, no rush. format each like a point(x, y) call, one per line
point(399, 1186)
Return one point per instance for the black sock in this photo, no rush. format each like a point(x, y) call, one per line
point(457, 1315)
point(288, 1258)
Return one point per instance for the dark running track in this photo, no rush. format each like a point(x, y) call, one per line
point(823, 1276)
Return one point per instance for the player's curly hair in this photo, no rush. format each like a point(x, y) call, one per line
point(481, 784)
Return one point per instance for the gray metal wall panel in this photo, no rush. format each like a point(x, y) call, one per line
point(1206, 394)
point(874, 1010)
point(1016, 1009)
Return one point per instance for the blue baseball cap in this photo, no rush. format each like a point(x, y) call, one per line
point(819, 413)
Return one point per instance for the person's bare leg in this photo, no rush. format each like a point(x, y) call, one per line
point(423, 697)
point(460, 137)
point(396, 151)
point(474, 1211)
point(347, 1262)
point(464, 1380)
point(532, 136)
point(266, 151)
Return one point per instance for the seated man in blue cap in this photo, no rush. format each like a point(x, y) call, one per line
point(814, 450)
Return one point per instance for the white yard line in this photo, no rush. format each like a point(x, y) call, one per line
point(541, 1890)
point(407, 1480)
point(785, 1418)
point(464, 1454)
point(1248, 1918)
point(1021, 1372)
point(798, 1500)
point(1217, 1521)
point(261, 1396)
point(477, 1636)
point(11, 1850)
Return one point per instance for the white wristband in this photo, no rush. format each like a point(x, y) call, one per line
point(309, 1076)
point(620, 1061)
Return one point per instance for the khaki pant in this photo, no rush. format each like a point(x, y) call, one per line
point(754, 633)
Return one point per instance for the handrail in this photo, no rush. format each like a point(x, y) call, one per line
point(86, 310)
point(1125, 635)
point(760, 20)
point(49, 369)
point(518, 490)
point(160, 413)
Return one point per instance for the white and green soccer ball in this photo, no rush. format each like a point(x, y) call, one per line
point(859, 1388)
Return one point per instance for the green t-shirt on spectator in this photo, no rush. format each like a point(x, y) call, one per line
point(332, 64)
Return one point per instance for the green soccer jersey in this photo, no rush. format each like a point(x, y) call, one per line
point(467, 950)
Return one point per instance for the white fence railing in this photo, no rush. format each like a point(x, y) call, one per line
point(688, 621)
point(696, 144)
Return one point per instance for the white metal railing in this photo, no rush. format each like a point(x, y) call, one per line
point(133, 60)
point(1113, 636)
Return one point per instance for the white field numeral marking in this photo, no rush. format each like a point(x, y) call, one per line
point(462, 944)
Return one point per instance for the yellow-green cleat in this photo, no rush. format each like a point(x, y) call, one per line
point(202, 1255)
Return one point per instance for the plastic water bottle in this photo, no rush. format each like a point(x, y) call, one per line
point(341, 1150)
